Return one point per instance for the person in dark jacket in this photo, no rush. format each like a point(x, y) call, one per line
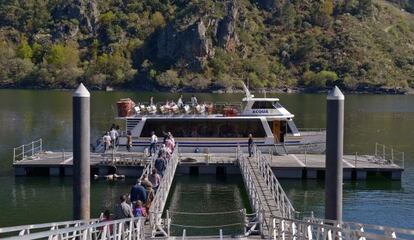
point(160, 164)
point(250, 145)
point(138, 192)
point(123, 209)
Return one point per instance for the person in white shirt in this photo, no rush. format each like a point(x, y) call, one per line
point(153, 144)
point(194, 102)
point(114, 135)
point(107, 141)
point(180, 102)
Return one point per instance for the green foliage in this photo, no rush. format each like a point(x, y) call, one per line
point(274, 43)
point(63, 56)
point(320, 79)
point(24, 51)
point(168, 78)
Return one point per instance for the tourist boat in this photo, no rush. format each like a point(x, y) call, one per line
point(208, 126)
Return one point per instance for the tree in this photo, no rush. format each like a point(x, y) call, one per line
point(63, 56)
point(24, 51)
point(168, 78)
point(157, 20)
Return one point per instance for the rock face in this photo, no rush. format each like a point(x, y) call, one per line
point(226, 30)
point(85, 12)
point(191, 44)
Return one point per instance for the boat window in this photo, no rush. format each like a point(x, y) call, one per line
point(292, 127)
point(262, 105)
point(226, 128)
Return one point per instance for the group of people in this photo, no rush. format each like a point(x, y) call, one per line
point(143, 192)
point(167, 147)
point(111, 138)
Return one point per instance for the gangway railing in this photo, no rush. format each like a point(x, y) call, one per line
point(160, 199)
point(253, 192)
point(282, 200)
point(127, 228)
point(312, 228)
point(26, 151)
point(27, 229)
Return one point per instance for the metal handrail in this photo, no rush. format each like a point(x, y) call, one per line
point(390, 232)
point(273, 185)
point(23, 229)
point(389, 154)
point(311, 228)
point(160, 199)
point(127, 228)
point(252, 190)
point(27, 150)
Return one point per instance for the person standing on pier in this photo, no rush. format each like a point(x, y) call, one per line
point(180, 102)
point(151, 101)
point(153, 144)
point(123, 209)
point(114, 136)
point(129, 141)
point(107, 142)
point(250, 145)
point(194, 102)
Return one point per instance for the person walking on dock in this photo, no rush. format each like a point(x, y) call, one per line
point(107, 142)
point(129, 141)
point(155, 179)
point(123, 209)
point(114, 136)
point(138, 192)
point(160, 164)
point(153, 144)
point(250, 145)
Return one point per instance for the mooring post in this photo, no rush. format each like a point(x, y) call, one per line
point(334, 155)
point(81, 153)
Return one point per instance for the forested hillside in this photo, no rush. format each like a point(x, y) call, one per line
point(207, 44)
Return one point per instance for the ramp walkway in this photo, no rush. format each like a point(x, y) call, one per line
point(265, 192)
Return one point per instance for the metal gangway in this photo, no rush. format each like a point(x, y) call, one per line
point(266, 195)
point(157, 225)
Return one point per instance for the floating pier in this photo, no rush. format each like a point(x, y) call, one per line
point(35, 161)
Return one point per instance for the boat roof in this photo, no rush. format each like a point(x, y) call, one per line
point(262, 99)
point(212, 116)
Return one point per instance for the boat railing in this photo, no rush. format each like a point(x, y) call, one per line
point(27, 151)
point(127, 228)
point(312, 129)
point(210, 108)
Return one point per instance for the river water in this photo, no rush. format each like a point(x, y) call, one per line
point(26, 115)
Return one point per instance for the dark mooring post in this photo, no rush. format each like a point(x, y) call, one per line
point(81, 153)
point(334, 154)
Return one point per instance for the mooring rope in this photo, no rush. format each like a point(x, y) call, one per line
point(204, 227)
point(206, 213)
